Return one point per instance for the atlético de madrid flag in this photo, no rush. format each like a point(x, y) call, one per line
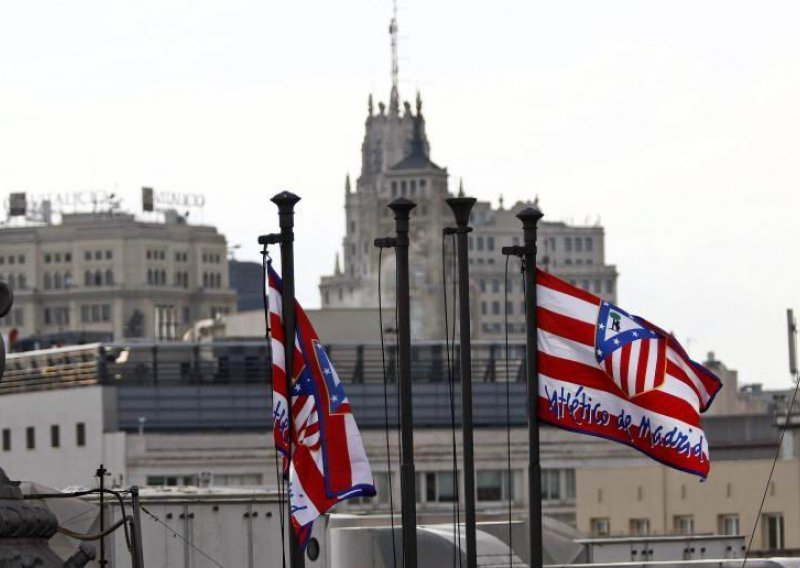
point(605, 372)
point(328, 461)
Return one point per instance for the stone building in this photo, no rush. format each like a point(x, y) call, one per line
point(110, 275)
point(396, 162)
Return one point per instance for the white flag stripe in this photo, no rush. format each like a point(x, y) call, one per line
point(579, 353)
point(614, 404)
point(564, 348)
point(679, 389)
point(361, 473)
point(652, 361)
point(616, 366)
point(278, 356)
point(566, 305)
point(678, 360)
point(275, 306)
point(633, 366)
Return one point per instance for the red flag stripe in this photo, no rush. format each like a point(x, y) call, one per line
point(565, 326)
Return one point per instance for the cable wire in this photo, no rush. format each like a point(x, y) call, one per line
point(772, 469)
point(457, 557)
point(265, 262)
point(178, 535)
point(386, 407)
point(508, 413)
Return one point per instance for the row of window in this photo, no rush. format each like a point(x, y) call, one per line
point(92, 313)
point(212, 280)
point(17, 282)
point(155, 254)
point(408, 188)
point(727, 524)
point(55, 437)
point(15, 317)
point(58, 315)
point(215, 480)
point(212, 258)
point(12, 259)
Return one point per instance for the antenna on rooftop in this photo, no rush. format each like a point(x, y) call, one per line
point(394, 102)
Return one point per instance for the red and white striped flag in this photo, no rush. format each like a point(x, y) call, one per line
point(607, 373)
point(328, 461)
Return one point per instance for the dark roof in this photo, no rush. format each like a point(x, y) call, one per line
point(415, 161)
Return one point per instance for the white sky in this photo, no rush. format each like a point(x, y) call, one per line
point(676, 123)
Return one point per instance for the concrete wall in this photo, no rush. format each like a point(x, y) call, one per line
point(67, 464)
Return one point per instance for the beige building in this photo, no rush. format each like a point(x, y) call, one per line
point(651, 499)
point(113, 275)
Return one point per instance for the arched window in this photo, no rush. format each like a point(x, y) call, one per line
point(109, 277)
point(98, 278)
point(48, 281)
point(57, 282)
point(87, 278)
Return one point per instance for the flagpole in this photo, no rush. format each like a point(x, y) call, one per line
point(286, 202)
point(530, 217)
point(461, 207)
point(402, 209)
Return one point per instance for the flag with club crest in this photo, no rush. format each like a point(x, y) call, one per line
point(328, 461)
point(605, 372)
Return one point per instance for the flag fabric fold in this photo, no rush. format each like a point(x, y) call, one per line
point(328, 462)
point(605, 372)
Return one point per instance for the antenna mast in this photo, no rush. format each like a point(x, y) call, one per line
point(394, 102)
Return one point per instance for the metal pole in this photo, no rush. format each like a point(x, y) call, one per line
point(101, 475)
point(461, 207)
point(402, 208)
point(530, 217)
point(138, 551)
point(286, 202)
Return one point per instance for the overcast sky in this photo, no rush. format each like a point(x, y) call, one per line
point(675, 123)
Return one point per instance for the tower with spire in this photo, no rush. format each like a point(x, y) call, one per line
point(396, 162)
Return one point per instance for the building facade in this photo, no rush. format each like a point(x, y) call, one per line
point(395, 162)
point(111, 275)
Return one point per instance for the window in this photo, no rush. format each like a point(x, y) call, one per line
point(30, 438)
point(87, 255)
point(510, 308)
point(568, 244)
point(98, 255)
point(80, 434)
point(578, 244)
point(234, 480)
point(589, 244)
point(489, 243)
point(639, 527)
point(85, 313)
point(98, 278)
point(773, 531)
point(171, 480)
point(483, 285)
point(67, 257)
point(48, 318)
point(57, 282)
point(439, 487)
point(109, 254)
point(105, 312)
point(493, 485)
point(728, 525)
point(600, 526)
point(48, 281)
point(480, 243)
point(496, 308)
point(558, 484)
point(47, 259)
point(87, 278)
point(55, 436)
point(483, 308)
point(109, 277)
point(609, 286)
point(495, 285)
point(683, 524)
point(6, 440)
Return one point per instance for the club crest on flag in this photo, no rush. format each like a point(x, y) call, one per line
point(631, 354)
